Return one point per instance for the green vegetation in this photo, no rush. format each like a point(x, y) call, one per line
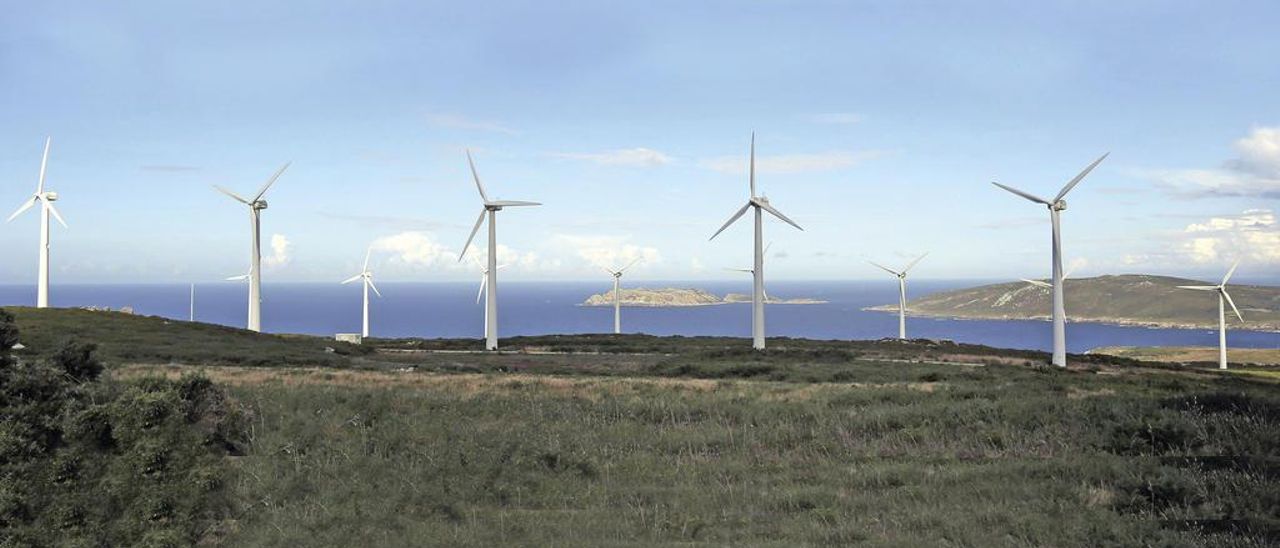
point(642, 441)
point(87, 462)
point(1129, 299)
point(1204, 356)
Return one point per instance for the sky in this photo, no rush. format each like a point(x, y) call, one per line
point(879, 127)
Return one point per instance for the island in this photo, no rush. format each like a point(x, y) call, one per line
point(1129, 299)
point(674, 296)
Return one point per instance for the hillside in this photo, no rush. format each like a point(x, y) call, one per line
point(1131, 299)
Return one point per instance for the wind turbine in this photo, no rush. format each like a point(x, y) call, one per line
point(484, 284)
point(1047, 285)
point(763, 290)
point(1223, 297)
point(902, 292)
point(617, 302)
point(760, 204)
point(256, 205)
point(491, 209)
point(367, 276)
point(1056, 206)
point(46, 199)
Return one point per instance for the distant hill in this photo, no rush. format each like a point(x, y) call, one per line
point(1130, 299)
point(672, 296)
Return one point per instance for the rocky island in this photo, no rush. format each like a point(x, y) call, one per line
point(672, 296)
point(1130, 299)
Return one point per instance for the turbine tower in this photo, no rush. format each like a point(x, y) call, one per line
point(484, 284)
point(367, 276)
point(46, 199)
point(902, 292)
point(491, 209)
point(759, 204)
point(617, 302)
point(256, 205)
point(1223, 297)
point(1056, 206)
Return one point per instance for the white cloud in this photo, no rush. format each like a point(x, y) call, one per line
point(458, 121)
point(1254, 172)
point(791, 163)
point(838, 118)
point(1252, 236)
point(629, 157)
point(415, 249)
point(280, 252)
point(609, 251)
point(696, 265)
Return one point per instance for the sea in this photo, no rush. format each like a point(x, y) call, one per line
point(449, 310)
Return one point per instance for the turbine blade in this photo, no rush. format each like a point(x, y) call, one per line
point(1232, 303)
point(237, 278)
point(611, 273)
point(367, 254)
point(765, 251)
point(44, 161)
point(472, 236)
point(25, 206)
point(511, 203)
point(501, 266)
point(778, 214)
point(884, 268)
point(913, 263)
point(730, 221)
point(1230, 272)
point(55, 213)
point(270, 182)
point(233, 195)
point(1026, 195)
point(373, 287)
point(1072, 184)
point(484, 281)
point(747, 270)
point(484, 196)
point(1199, 287)
point(1038, 283)
point(629, 265)
point(348, 280)
point(753, 164)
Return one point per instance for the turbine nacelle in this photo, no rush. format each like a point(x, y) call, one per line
point(48, 196)
point(259, 205)
point(1060, 205)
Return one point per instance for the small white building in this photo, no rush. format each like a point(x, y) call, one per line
point(353, 338)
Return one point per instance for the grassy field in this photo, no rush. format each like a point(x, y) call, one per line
point(1203, 355)
point(643, 441)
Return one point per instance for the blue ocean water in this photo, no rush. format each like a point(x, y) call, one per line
point(536, 308)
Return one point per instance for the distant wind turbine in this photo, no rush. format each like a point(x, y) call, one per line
point(902, 292)
point(191, 313)
point(491, 209)
point(256, 205)
point(763, 290)
point(46, 199)
point(1047, 285)
point(367, 276)
point(1223, 297)
point(760, 204)
point(484, 285)
point(1056, 206)
point(617, 302)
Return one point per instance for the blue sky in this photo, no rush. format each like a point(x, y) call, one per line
point(879, 127)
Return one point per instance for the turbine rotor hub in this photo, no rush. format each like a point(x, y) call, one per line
point(50, 196)
point(1060, 205)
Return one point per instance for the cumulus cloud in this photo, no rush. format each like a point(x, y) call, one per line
point(280, 252)
point(837, 118)
point(627, 157)
point(1253, 172)
point(791, 163)
point(609, 251)
point(416, 249)
point(1252, 236)
point(458, 121)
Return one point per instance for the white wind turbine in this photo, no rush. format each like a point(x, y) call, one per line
point(491, 209)
point(367, 276)
point(256, 205)
point(1223, 297)
point(760, 204)
point(902, 292)
point(763, 290)
point(1056, 206)
point(1047, 285)
point(46, 199)
point(617, 302)
point(484, 285)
